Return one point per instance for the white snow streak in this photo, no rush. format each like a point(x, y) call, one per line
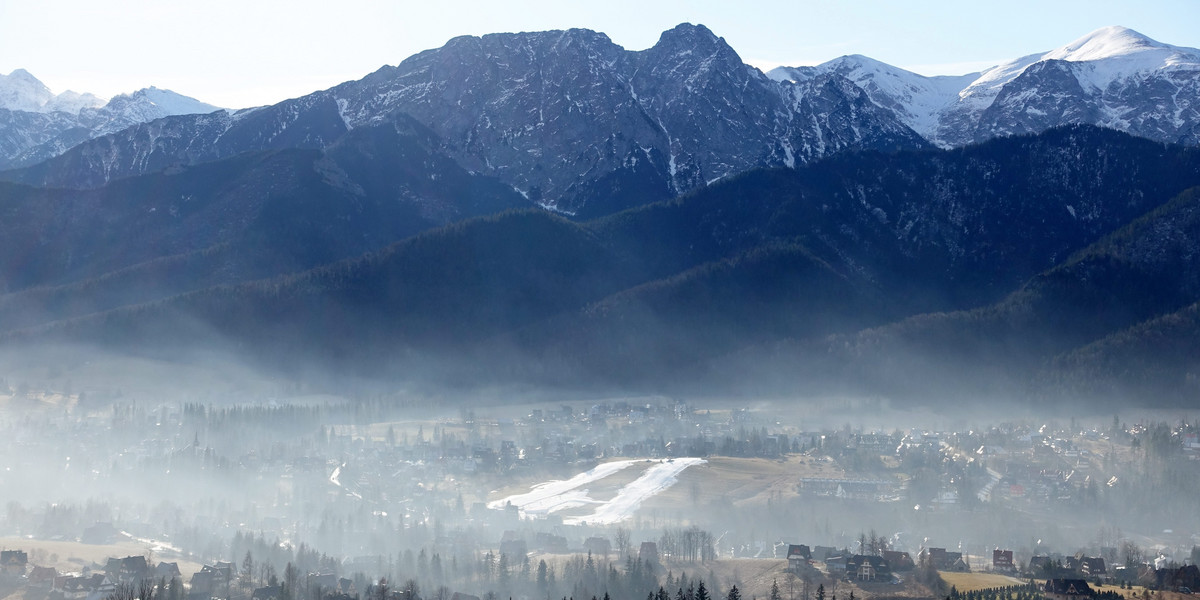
point(554, 496)
point(543, 498)
point(654, 480)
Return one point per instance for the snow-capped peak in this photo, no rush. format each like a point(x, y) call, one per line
point(20, 90)
point(152, 103)
point(73, 102)
point(917, 99)
point(1112, 52)
point(1106, 42)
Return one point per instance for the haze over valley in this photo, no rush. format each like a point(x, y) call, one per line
point(533, 315)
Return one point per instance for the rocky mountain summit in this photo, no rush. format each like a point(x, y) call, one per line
point(562, 116)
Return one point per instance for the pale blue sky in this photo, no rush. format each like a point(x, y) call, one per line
point(238, 53)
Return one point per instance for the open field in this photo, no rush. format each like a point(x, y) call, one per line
point(968, 582)
point(744, 481)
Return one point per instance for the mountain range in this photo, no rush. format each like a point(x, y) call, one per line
point(36, 124)
point(550, 208)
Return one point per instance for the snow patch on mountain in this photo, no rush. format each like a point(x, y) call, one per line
point(73, 102)
point(918, 100)
point(151, 103)
point(1113, 77)
point(20, 90)
point(1112, 53)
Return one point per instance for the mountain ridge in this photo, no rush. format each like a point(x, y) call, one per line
point(662, 294)
point(1115, 69)
point(36, 124)
point(550, 113)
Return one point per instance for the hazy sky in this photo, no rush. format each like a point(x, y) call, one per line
point(251, 52)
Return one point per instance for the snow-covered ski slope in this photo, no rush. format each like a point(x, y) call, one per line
point(562, 495)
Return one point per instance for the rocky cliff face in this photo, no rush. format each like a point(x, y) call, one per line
point(549, 113)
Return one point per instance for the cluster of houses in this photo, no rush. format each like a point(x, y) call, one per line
point(211, 581)
point(1159, 574)
point(844, 564)
point(88, 585)
point(1067, 577)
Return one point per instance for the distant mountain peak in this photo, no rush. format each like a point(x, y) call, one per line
point(693, 37)
point(1106, 42)
point(22, 74)
point(20, 90)
point(152, 103)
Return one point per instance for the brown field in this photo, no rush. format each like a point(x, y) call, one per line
point(753, 576)
point(1137, 592)
point(745, 481)
point(968, 582)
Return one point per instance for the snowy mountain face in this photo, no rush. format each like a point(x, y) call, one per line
point(36, 124)
point(917, 100)
point(554, 114)
point(21, 91)
point(1113, 77)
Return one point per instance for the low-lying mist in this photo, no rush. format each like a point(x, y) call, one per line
point(211, 460)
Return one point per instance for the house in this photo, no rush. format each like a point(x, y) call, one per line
point(42, 577)
point(211, 580)
point(515, 549)
point(14, 562)
point(1041, 564)
point(100, 587)
point(1073, 563)
point(947, 561)
point(866, 567)
point(798, 556)
point(132, 569)
point(70, 587)
point(1093, 566)
point(1002, 560)
point(327, 582)
point(836, 565)
point(900, 561)
point(167, 571)
point(599, 546)
point(1067, 589)
point(270, 592)
point(228, 571)
point(648, 552)
point(823, 552)
point(550, 543)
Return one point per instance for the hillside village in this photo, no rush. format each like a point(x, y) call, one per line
point(260, 498)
